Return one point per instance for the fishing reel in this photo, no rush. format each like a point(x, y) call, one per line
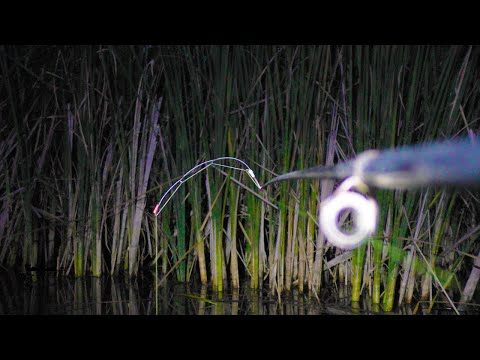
point(363, 210)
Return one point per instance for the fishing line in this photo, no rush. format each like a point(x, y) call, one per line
point(195, 171)
point(230, 167)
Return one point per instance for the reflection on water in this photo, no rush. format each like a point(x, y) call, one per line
point(49, 294)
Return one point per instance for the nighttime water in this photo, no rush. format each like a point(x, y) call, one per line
point(49, 294)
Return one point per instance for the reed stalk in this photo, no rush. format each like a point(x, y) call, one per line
point(234, 195)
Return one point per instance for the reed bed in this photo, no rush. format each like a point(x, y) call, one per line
point(92, 136)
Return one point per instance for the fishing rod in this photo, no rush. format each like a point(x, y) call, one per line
point(449, 163)
point(453, 163)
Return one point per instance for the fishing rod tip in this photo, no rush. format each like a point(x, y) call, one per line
point(268, 183)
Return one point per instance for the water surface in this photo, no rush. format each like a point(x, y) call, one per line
point(50, 294)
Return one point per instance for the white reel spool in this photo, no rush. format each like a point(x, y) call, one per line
point(364, 215)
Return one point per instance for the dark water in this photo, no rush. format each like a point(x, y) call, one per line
point(49, 294)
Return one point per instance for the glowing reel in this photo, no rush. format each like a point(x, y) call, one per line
point(364, 215)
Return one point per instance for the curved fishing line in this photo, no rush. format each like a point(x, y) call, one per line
point(195, 171)
point(177, 184)
point(230, 167)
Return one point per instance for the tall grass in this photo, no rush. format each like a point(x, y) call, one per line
point(91, 137)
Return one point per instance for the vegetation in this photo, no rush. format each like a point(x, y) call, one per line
point(92, 136)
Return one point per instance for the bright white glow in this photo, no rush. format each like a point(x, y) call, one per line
point(364, 214)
